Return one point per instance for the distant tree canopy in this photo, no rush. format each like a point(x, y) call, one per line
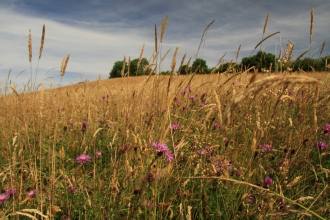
point(199, 66)
point(134, 71)
point(260, 60)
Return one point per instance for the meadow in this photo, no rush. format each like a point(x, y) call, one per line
point(220, 146)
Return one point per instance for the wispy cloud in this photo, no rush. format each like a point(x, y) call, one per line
point(98, 33)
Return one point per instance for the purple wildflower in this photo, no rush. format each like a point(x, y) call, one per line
point(175, 127)
point(103, 97)
point(192, 97)
point(32, 194)
point(149, 178)
point(147, 203)
point(268, 182)
point(4, 197)
point(266, 147)
point(290, 92)
point(84, 126)
point(251, 199)
point(83, 159)
point(326, 128)
point(162, 148)
point(98, 154)
point(185, 107)
point(321, 145)
point(10, 192)
point(190, 89)
point(72, 190)
point(176, 100)
point(215, 126)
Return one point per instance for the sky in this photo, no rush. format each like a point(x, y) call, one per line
point(97, 33)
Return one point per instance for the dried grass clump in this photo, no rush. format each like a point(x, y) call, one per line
point(267, 82)
point(311, 27)
point(288, 52)
point(30, 45)
point(64, 65)
point(42, 41)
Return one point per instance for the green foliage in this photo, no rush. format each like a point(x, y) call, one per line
point(184, 70)
point(310, 64)
point(199, 66)
point(260, 60)
point(116, 69)
point(134, 71)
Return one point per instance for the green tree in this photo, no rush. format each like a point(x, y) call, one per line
point(184, 70)
point(199, 66)
point(134, 71)
point(260, 60)
point(116, 69)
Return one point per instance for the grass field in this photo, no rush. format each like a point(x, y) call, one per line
point(190, 147)
point(220, 146)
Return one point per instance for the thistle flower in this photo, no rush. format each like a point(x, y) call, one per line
point(321, 145)
point(32, 194)
point(10, 192)
point(98, 154)
point(326, 128)
point(84, 126)
point(268, 182)
point(83, 159)
point(162, 148)
point(4, 197)
point(266, 147)
point(175, 127)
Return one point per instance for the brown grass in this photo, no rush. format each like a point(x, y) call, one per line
point(164, 23)
point(260, 42)
point(42, 41)
point(311, 27)
point(265, 25)
point(64, 65)
point(30, 45)
point(156, 39)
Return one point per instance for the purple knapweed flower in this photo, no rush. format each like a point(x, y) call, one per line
point(326, 128)
point(103, 97)
point(83, 159)
point(266, 147)
point(162, 148)
point(251, 199)
point(183, 92)
point(268, 182)
point(190, 89)
point(175, 127)
point(72, 189)
point(290, 92)
point(4, 197)
point(84, 126)
point(10, 192)
point(32, 194)
point(321, 145)
point(215, 126)
point(192, 97)
point(98, 154)
point(176, 100)
point(185, 107)
point(147, 203)
point(149, 178)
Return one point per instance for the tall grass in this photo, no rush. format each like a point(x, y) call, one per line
point(221, 146)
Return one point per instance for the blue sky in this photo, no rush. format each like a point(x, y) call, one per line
point(97, 33)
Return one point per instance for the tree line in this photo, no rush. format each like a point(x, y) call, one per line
point(261, 61)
